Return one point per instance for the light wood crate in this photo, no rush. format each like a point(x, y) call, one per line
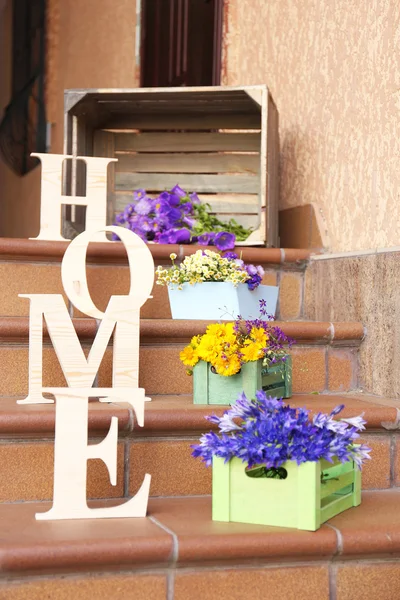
point(221, 142)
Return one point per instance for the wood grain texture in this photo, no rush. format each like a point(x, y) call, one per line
point(158, 182)
point(70, 459)
point(196, 121)
point(209, 140)
point(104, 145)
point(122, 315)
point(52, 198)
point(187, 142)
point(188, 163)
point(220, 203)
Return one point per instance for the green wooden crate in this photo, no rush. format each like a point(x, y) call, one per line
point(311, 494)
point(210, 388)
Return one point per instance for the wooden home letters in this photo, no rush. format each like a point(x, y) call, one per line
point(122, 317)
point(52, 199)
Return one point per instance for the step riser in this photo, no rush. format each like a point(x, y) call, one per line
point(375, 579)
point(315, 369)
point(29, 278)
point(26, 468)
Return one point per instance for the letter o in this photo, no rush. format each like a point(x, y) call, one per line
point(73, 270)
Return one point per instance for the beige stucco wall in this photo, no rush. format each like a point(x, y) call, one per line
point(89, 44)
point(94, 47)
point(362, 288)
point(333, 70)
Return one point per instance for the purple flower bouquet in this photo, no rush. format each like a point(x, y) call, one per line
point(176, 217)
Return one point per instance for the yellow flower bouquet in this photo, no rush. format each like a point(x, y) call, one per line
point(238, 356)
point(226, 349)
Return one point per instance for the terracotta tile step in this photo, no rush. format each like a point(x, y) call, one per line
point(16, 329)
point(324, 358)
point(315, 369)
point(104, 280)
point(179, 533)
point(171, 415)
point(106, 253)
point(163, 447)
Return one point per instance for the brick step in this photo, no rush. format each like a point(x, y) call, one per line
point(163, 446)
point(324, 358)
point(34, 267)
point(178, 553)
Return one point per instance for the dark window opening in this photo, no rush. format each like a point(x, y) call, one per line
point(181, 43)
point(23, 128)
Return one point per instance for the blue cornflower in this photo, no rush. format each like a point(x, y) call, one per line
point(266, 431)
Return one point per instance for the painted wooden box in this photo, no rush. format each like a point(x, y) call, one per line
point(219, 300)
point(311, 494)
point(211, 388)
point(221, 142)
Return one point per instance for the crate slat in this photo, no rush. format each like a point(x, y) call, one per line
point(247, 221)
point(196, 121)
point(171, 94)
point(158, 182)
point(337, 469)
point(334, 506)
point(334, 485)
point(188, 163)
point(230, 204)
point(187, 142)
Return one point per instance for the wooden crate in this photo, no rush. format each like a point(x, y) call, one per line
point(221, 142)
point(312, 493)
point(210, 388)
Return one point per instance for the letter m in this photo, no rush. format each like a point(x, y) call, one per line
point(79, 371)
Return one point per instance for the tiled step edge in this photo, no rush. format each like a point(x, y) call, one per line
point(168, 330)
point(103, 253)
point(179, 532)
point(177, 415)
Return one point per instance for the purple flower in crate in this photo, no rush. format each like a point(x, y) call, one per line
point(252, 270)
point(224, 240)
point(178, 191)
point(119, 219)
point(139, 194)
point(174, 199)
point(187, 207)
point(194, 198)
point(231, 255)
point(165, 203)
point(204, 239)
point(173, 214)
point(128, 211)
point(144, 206)
point(162, 238)
point(255, 276)
point(189, 222)
point(145, 224)
point(179, 236)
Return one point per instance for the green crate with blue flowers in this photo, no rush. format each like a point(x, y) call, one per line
point(275, 465)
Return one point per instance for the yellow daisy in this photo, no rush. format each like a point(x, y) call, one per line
point(252, 352)
point(189, 356)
